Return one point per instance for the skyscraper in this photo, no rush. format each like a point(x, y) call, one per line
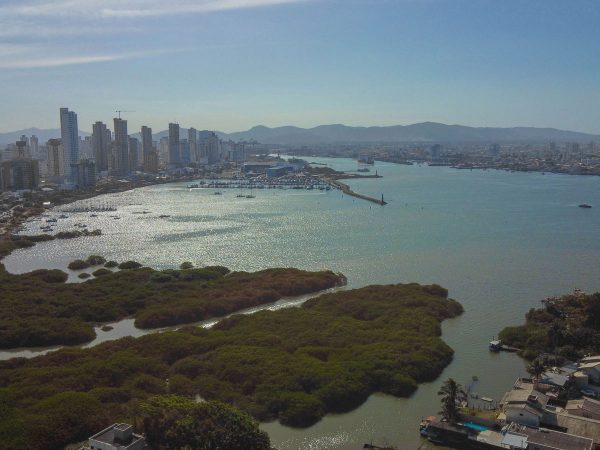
point(149, 156)
point(134, 154)
point(146, 140)
point(212, 148)
point(121, 147)
point(100, 145)
point(34, 145)
point(193, 142)
point(174, 147)
point(69, 132)
point(55, 161)
point(184, 152)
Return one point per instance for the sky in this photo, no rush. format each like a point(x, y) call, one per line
point(231, 64)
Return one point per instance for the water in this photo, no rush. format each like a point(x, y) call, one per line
point(500, 242)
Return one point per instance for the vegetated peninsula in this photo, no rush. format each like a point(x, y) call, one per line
point(294, 365)
point(39, 309)
point(567, 326)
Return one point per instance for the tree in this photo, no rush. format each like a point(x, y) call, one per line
point(536, 370)
point(452, 393)
point(593, 311)
point(173, 422)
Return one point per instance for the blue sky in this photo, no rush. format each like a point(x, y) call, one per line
point(232, 64)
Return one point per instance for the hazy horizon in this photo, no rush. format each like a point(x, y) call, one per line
point(165, 128)
point(232, 64)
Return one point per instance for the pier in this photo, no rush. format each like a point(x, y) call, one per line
point(346, 190)
point(318, 182)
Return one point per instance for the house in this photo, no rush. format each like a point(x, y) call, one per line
point(543, 439)
point(591, 368)
point(523, 404)
point(585, 407)
point(119, 436)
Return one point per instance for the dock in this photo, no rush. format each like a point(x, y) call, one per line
point(497, 346)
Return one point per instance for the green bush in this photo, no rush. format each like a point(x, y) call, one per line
point(111, 264)
point(101, 272)
point(95, 260)
point(78, 264)
point(129, 265)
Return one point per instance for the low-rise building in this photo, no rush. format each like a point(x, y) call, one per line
point(585, 407)
point(523, 404)
point(119, 436)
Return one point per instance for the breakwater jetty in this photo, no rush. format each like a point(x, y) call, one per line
point(346, 190)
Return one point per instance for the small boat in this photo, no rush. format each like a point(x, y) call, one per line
point(93, 215)
point(495, 346)
point(250, 196)
point(63, 216)
point(164, 216)
point(51, 220)
point(193, 186)
point(585, 205)
point(217, 193)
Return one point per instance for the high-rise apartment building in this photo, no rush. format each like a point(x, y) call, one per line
point(86, 174)
point(21, 173)
point(163, 150)
point(134, 154)
point(121, 148)
point(146, 139)
point(100, 145)
point(34, 145)
point(69, 133)
point(55, 161)
point(193, 143)
point(211, 149)
point(184, 151)
point(174, 146)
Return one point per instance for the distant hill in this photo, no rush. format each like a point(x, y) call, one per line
point(324, 134)
point(419, 132)
point(43, 135)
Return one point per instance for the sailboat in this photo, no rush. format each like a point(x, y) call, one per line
point(250, 196)
point(241, 194)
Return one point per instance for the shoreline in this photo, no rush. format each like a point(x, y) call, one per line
point(21, 213)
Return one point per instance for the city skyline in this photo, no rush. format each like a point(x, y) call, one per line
point(234, 64)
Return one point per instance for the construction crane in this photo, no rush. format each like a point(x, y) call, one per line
point(119, 111)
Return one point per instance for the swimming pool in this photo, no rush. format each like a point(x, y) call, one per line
point(475, 427)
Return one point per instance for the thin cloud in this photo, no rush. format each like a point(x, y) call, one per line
point(57, 61)
point(128, 8)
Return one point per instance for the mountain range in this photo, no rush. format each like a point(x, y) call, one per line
point(330, 134)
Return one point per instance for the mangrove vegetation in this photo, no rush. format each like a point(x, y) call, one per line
point(293, 365)
point(39, 309)
point(567, 327)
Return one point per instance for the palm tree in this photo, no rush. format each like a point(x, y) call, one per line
point(536, 369)
point(452, 393)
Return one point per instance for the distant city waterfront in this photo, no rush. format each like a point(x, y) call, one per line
point(499, 241)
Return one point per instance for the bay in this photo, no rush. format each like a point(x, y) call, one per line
point(499, 241)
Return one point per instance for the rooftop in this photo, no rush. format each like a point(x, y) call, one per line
point(577, 425)
point(118, 435)
point(523, 393)
point(553, 439)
